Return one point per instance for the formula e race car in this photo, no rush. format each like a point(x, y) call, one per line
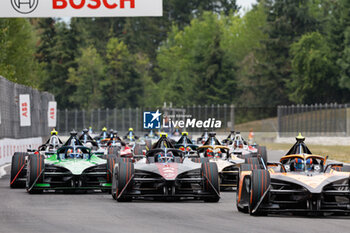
point(185, 144)
point(165, 174)
point(228, 164)
point(20, 159)
point(300, 183)
point(71, 168)
point(240, 148)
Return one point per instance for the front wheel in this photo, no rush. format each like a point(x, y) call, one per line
point(211, 181)
point(35, 173)
point(18, 170)
point(260, 182)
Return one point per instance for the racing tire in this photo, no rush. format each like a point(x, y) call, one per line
point(148, 144)
point(138, 150)
point(245, 167)
point(113, 151)
point(35, 170)
point(263, 153)
point(122, 176)
point(243, 209)
point(200, 160)
point(254, 162)
point(211, 181)
point(17, 170)
point(260, 182)
point(110, 165)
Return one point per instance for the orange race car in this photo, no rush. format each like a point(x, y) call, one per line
point(300, 183)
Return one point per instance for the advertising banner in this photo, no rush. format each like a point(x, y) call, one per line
point(52, 114)
point(24, 110)
point(80, 8)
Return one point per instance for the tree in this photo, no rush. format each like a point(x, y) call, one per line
point(312, 71)
point(17, 46)
point(122, 85)
point(57, 51)
point(86, 79)
point(287, 21)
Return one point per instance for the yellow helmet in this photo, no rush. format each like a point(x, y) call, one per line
point(104, 129)
point(185, 133)
point(300, 137)
point(54, 132)
point(131, 129)
point(163, 134)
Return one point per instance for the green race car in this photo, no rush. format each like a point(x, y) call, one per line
point(70, 168)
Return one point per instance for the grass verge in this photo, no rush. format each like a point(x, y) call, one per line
point(339, 153)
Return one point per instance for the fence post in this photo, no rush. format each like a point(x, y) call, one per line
point(278, 120)
point(76, 120)
point(115, 118)
point(123, 119)
point(107, 120)
point(232, 116)
point(83, 113)
point(136, 119)
point(347, 120)
point(66, 121)
point(98, 118)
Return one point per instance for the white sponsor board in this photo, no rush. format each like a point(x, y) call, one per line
point(52, 114)
point(80, 8)
point(9, 146)
point(24, 110)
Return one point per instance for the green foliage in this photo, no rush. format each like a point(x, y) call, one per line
point(17, 45)
point(122, 85)
point(312, 71)
point(86, 78)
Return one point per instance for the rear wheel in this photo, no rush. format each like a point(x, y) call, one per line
point(263, 153)
point(260, 182)
point(254, 163)
point(138, 149)
point(211, 181)
point(17, 170)
point(35, 173)
point(200, 160)
point(148, 144)
point(109, 166)
point(122, 175)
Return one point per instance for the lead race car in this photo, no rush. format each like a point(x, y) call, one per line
point(301, 183)
point(72, 167)
point(165, 174)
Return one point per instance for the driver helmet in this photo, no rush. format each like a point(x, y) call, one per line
point(298, 164)
point(309, 164)
point(238, 143)
point(104, 129)
point(165, 158)
point(54, 132)
point(70, 153)
point(131, 129)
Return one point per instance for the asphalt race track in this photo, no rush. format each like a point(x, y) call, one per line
point(21, 212)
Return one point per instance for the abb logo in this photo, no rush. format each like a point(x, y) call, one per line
point(24, 109)
point(92, 4)
point(52, 113)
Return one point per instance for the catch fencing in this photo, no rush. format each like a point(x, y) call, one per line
point(313, 120)
point(123, 119)
point(10, 112)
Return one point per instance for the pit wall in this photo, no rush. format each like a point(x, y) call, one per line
point(9, 146)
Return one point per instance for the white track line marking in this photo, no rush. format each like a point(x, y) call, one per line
point(2, 170)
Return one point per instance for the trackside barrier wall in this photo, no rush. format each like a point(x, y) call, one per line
point(9, 111)
point(9, 146)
